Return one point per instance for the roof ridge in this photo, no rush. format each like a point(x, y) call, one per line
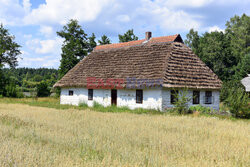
point(166, 36)
point(169, 38)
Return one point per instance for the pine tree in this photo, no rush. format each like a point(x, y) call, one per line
point(92, 43)
point(128, 36)
point(104, 40)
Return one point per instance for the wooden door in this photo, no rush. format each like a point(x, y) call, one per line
point(113, 97)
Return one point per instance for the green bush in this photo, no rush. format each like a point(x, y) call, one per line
point(237, 102)
point(57, 91)
point(226, 86)
point(10, 90)
point(42, 89)
point(201, 109)
point(181, 105)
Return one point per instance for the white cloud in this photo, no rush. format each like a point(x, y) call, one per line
point(186, 3)
point(11, 12)
point(159, 14)
point(50, 63)
point(46, 30)
point(60, 11)
point(26, 6)
point(123, 18)
point(49, 46)
point(215, 28)
point(129, 13)
point(27, 36)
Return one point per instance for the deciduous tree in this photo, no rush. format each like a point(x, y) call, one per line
point(75, 46)
point(9, 49)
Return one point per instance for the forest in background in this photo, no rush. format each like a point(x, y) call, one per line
point(28, 78)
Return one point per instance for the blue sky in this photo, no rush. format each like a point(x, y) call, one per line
point(35, 22)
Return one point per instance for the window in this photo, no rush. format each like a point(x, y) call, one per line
point(196, 97)
point(208, 97)
point(174, 96)
point(90, 94)
point(139, 96)
point(71, 92)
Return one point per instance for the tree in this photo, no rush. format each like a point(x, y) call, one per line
point(9, 49)
point(238, 33)
point(243, 67)
point(224, 52)
point(128, 36)
point(104, 40)
point(214, 50)
point(42, 89)
point(181, 105)
point(92, 43)
point(37, 78)
point(237, 102)
point(2, 82)
point(193, 40)
point(75, 46)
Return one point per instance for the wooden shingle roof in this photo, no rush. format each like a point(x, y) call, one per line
point(173, 62)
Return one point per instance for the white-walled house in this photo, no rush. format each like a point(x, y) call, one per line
point(141, 74)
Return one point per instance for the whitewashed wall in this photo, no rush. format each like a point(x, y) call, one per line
point(166, 99)
point(81, 96)
point(151, 98)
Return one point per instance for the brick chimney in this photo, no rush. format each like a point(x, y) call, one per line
point(148, 35)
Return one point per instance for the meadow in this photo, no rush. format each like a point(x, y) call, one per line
point(42, 136)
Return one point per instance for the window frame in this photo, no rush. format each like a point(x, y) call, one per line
point(196, 99)
point(139, 96)
point(173, 97)
point(90, 94)
point(208, 94)
point(71, 93)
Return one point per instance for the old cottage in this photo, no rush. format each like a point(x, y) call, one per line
point(144, 73)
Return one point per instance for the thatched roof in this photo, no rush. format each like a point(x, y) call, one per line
point(171, 61)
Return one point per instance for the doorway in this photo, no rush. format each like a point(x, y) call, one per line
point(113, 97)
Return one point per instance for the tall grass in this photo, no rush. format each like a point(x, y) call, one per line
point(39, 136)
point(55, 103)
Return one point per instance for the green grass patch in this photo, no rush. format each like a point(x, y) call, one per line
point(115, 109)
point(51, 102)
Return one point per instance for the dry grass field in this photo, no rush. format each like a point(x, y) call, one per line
point(38, 136)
